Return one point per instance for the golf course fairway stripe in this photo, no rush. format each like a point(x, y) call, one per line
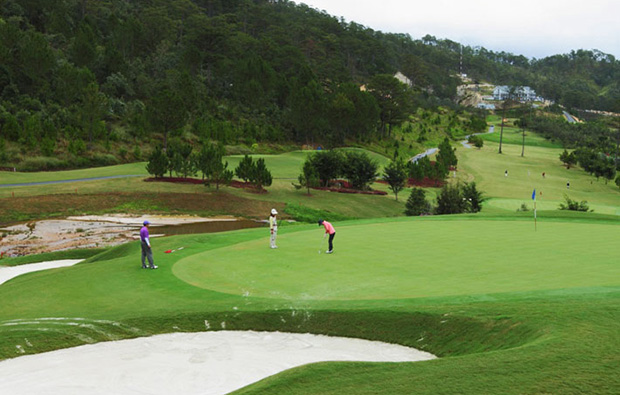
point(395, 260)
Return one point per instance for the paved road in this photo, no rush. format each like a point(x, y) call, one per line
point(569, 117)
point(26, 184)
point(466, 144)
point(428, 152)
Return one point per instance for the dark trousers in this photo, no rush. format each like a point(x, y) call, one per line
point(146, 253)
point(331, 241)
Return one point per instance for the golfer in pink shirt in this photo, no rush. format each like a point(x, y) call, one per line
point(329, 230)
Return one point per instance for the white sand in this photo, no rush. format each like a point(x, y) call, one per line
point(179, 363)
point(9, 272)
point(185, 363)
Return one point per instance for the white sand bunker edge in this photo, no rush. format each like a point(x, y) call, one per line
point(188, 363)
point(185, 363)
point(9, 272)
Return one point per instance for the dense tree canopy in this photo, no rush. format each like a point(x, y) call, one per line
point(98, 72)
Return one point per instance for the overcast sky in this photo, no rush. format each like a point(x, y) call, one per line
point(534, 28)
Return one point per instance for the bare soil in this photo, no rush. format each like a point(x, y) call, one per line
point(38, 224)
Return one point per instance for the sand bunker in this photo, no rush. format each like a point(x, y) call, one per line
point(9, 272)
point(180, 363)
point(185, 363)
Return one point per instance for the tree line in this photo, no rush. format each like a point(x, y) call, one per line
point(87, 82)
point(180, 159)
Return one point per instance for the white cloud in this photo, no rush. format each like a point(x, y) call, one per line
point(534, 28)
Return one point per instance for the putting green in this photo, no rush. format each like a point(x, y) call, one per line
point(412, 258)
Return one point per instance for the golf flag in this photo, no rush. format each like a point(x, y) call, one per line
point(534, 199)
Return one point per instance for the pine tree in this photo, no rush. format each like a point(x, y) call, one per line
point(395, 174)
point(158, 163)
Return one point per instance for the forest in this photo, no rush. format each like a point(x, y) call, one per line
point(86, 82)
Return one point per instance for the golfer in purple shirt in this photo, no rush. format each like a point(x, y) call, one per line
point(147, 252)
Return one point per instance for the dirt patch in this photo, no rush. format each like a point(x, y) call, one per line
point(92, 231)
point(56, 234)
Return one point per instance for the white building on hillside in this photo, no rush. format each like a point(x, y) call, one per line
point(520, 93)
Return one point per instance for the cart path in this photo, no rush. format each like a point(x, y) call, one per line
point(26, 184)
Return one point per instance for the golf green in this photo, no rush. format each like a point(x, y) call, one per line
point(410, 259)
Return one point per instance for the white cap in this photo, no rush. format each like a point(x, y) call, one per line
point(273, 211)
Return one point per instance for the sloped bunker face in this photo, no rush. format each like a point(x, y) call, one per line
point(410, 259)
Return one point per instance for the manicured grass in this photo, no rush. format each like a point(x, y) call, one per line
point(370, 256)
point(486, 167)
point(514, 135)
point(509, 310)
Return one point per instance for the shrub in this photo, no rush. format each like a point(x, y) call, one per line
point(395, 174)
point(477, 141)
point(417, 203)
point(47, 146)
point(245, 168)
point(76, 146)
point(42, 163)
point(158, 163)
point(308, 178)
point(472, 197)
point(359, 169)
point(260, 175)
point(450, 200)
point(4, 157)
point(137, 153)
point(104, 160)
point(328, 165)
point(573, 205)
point(523, 208)
point(122, 152)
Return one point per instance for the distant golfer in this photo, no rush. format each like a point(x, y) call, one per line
point(273, 226)
point(147, 252)
point(329, 229)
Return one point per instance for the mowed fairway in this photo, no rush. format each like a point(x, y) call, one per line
point(413, 259)
point(487, 168)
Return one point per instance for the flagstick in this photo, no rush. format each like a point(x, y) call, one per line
point(534, 215)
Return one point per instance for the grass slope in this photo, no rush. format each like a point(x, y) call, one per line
point(133, 196)
point(519, 322)
point(486, 167)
